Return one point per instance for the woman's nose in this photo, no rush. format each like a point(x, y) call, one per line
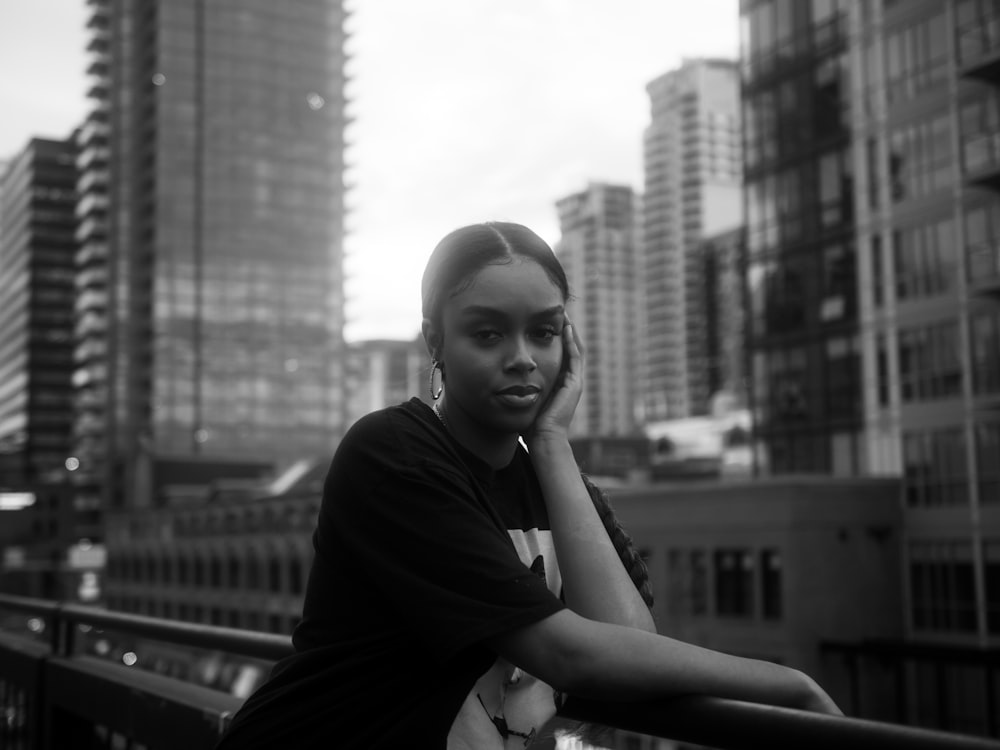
point(521, 357)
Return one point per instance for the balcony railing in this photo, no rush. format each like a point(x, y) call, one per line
point(52, 696)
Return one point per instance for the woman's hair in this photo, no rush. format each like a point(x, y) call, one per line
point(464, 252)
point(635, 566)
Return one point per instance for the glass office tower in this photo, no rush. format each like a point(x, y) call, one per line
point(873, 177)
point(220, 336)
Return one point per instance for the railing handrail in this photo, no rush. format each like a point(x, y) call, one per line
point(738, 725)
point(233, 640)
point(716, 722)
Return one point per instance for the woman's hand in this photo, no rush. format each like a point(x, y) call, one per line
point(555, 416)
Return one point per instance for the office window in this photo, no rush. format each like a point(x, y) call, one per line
point(985, 350)
point(991, 567)
point(878, 272)
point(839, 283)
point(734, 583)
point(929, 362)
point(942, 587)
point(916, 57)
point(843, 376)
point(975, 28)
point(925, 259)
point(988, 463)
point(920, 161)
point(687, 582)
point(982, 240)
point(770, 581)
point(935, 472)
point(979, 121)
point(882, 369)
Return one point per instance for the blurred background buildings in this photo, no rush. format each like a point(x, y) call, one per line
point(809, 284)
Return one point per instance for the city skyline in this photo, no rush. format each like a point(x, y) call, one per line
point(443, 139)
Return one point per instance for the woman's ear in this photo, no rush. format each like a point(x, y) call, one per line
point(432, 339)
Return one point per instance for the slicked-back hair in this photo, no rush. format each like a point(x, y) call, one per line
point(467, 250)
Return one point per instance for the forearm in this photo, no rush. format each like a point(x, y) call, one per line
point(626, 664)
point(610, 662)
point(595, 582)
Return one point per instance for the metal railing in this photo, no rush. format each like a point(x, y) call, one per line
point(52, 697)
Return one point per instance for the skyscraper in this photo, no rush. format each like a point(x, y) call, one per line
point(873, 182)
point(599, 251)
point(693, 180)
point(213, 330)
point(36, 313)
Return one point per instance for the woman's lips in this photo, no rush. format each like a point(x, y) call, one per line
point(519, 396)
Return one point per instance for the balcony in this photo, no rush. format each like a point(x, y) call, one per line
point(54, 695)
point(981, 159)
point(979, 46)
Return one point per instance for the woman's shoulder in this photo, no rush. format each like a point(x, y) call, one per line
point(407, 435)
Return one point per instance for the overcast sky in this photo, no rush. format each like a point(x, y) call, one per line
point(464, 110)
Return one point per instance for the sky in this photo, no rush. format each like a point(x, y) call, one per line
point(462, 111)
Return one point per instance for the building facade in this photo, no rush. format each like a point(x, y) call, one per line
point(37, 198)
point(384, 372)
point(693, 178)
point(873, 224)
point(215, 323)
point(598, 249)
point(724, 301)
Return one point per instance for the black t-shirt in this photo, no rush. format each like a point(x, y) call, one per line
point(414, 568)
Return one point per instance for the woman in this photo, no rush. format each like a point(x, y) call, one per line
point(462, 582)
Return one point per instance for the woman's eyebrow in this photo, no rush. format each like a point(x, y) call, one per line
point(485, 310)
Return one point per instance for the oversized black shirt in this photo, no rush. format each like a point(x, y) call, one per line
point(414, 568)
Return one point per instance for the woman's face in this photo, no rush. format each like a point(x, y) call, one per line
point(502, 348)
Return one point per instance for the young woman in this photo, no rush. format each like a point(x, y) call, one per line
point(464, 577)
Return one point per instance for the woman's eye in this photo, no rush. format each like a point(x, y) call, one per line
point(546, 333)
point(486, 335)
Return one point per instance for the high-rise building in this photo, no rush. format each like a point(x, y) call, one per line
point(43, 531)
point(383, 372)
point(725, 305)
point(801, 239)
point(693, 178)
point(873, 184)
point(599, 251)
point(36, 314)
point(211, 224)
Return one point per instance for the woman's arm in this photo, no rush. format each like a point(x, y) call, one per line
point(595, 582)
point(609, 662)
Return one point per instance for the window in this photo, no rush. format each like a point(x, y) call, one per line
point(991, 565)
point(687, 582)
point(925, 259)
point(929, 363)
point(982, 241)
point(984, 331)
point(979, 123)
point(920, 160)
point(836, 188)
point(975, 24)
point(734, 583)
point(839, 283)
point(878, 271)
point(988, 463)
point(942, 586)
point(882, 369)
point(916, 57)
point(843, 375)
point(935, 472)
point(770, 579)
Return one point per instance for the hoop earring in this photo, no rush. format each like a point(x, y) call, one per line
point(435, 367)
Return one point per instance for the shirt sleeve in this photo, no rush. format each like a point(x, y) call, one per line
point(426, 540)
